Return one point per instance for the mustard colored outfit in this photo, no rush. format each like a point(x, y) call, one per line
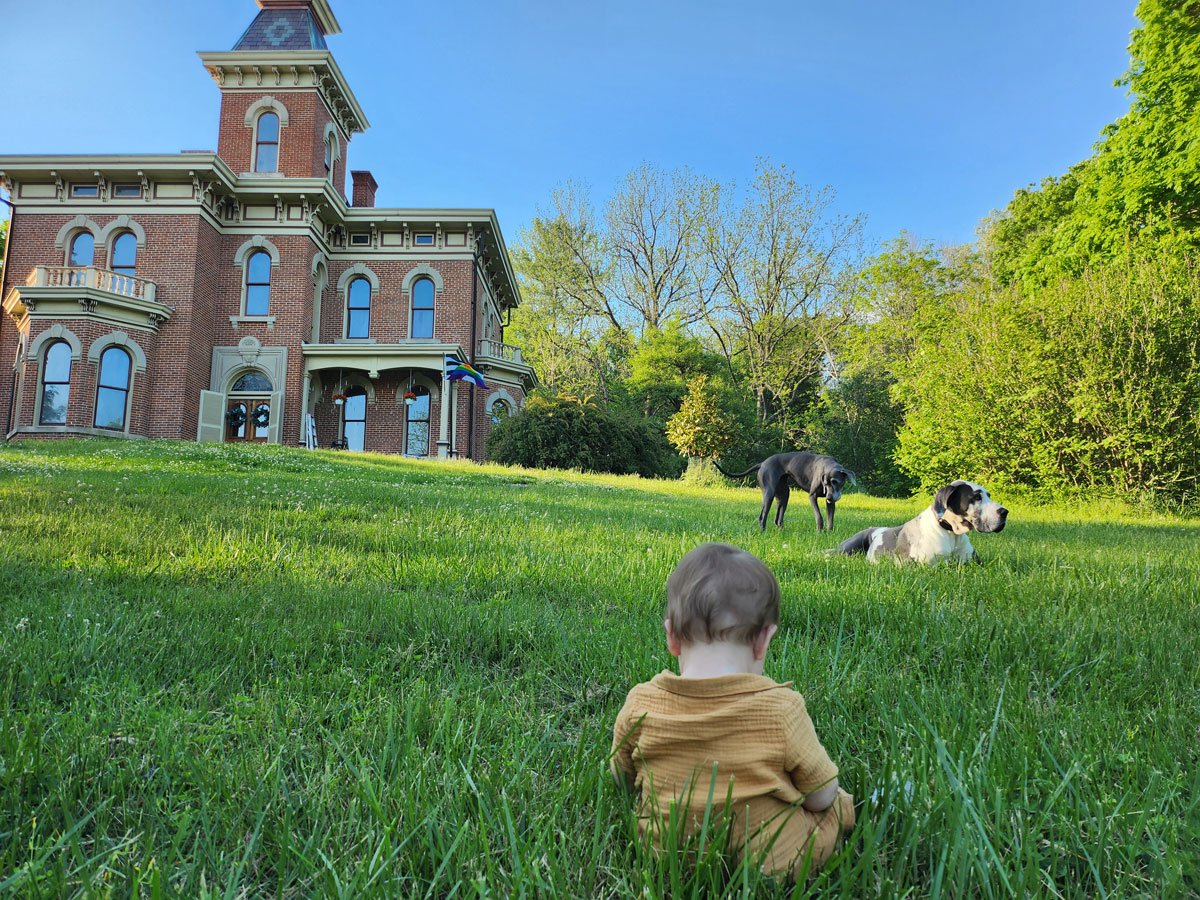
point(750, 740)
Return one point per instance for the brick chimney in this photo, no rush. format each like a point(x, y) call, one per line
point(364, 189)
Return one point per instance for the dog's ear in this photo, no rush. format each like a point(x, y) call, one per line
point(954, 497)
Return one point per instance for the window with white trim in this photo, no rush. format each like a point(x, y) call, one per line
point(266, 143)
point(258, 284)
point(422, 308)
point(112, 389)
point(56, 384)
point(358, 308)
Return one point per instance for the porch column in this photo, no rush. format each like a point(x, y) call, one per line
point(305, 383)
point(443, 443)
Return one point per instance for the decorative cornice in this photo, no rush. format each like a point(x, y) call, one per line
point(289, 70)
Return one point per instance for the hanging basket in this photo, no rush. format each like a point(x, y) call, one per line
point(409, 398)
point(339, 398)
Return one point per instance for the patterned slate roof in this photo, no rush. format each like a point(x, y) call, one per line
point(283, 29)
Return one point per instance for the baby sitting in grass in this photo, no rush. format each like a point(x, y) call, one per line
point(721, 729)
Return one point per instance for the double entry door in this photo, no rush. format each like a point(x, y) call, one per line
point(248, 419)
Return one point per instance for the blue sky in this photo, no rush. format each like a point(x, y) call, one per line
point(923, 116)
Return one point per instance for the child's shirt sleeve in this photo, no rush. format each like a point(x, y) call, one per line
point(803, 756)
point(620, 760)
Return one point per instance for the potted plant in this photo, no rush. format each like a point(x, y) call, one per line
point(409, 398)
point(339, 398)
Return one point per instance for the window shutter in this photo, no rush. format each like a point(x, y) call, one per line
point(275, 426)
point(211, 427)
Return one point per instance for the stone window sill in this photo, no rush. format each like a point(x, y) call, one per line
point(235, 321)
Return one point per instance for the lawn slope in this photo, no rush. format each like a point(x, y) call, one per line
point(263, 671)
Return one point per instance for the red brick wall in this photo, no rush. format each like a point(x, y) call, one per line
point(301, 141)
point(390, 307)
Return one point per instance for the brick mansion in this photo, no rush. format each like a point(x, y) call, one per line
point(242, 294)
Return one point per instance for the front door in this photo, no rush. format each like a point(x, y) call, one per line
point(248, 419)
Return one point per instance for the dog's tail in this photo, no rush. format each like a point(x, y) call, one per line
point(854, 545)
point(750, 471)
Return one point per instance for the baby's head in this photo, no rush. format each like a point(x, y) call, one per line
point(721, 593)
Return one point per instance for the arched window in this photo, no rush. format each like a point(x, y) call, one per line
point(83, 251)
point(123, 261)
point(422, 308)
point(124, 254)
point(112, 390)
point(266, 146)
point(56, 384)
point(258, 284)
point(253, 382)
point(416, 426)
point(358, 308)
point(354, 421)
point(329, 139)
point(498, 412)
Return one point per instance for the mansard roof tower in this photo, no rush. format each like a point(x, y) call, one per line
point(282, 63)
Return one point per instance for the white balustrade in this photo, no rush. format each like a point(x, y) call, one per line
point(498, 350)
point(92, 277)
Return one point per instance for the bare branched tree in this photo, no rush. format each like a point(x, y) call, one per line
point(655, 244)
point(782, 262)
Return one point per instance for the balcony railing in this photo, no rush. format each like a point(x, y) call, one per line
point(91, 277)
point(497, 350)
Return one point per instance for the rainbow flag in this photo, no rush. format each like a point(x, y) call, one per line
point(457, 370)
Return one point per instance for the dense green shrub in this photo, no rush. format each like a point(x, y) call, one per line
point(1092, 383)
point(563, 432)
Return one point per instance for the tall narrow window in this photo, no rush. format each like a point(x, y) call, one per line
point(124, 254)
point(112, 391)
point(422, 313)
point(83, 250)
point(56, 384)
point(258, 284)
point(358, 322)
point(329, 156)
point(124, 262)
point(266, 149)
point(416, 428)
point(355, 423)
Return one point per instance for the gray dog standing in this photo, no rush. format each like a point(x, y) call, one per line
point(816, 475)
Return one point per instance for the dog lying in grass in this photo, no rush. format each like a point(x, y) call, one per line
point(938, 533)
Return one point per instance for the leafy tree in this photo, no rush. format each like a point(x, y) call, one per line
point(1143, 180)
point(569, 345)
point(661, 366)
point(703, 428)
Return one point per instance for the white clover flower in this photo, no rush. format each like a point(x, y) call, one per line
point(23, 625)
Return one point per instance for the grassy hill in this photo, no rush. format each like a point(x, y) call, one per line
point(265, 671)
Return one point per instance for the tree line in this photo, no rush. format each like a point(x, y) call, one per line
point(1059, 351)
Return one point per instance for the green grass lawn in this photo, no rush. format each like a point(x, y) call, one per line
point(270, 672)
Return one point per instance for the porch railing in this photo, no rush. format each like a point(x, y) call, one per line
point(498, 350)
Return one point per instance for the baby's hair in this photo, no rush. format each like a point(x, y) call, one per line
point(721, 593)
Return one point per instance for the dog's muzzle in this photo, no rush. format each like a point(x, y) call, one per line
point(994, 521)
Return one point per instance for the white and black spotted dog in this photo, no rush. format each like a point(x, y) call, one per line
point(938, 533)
